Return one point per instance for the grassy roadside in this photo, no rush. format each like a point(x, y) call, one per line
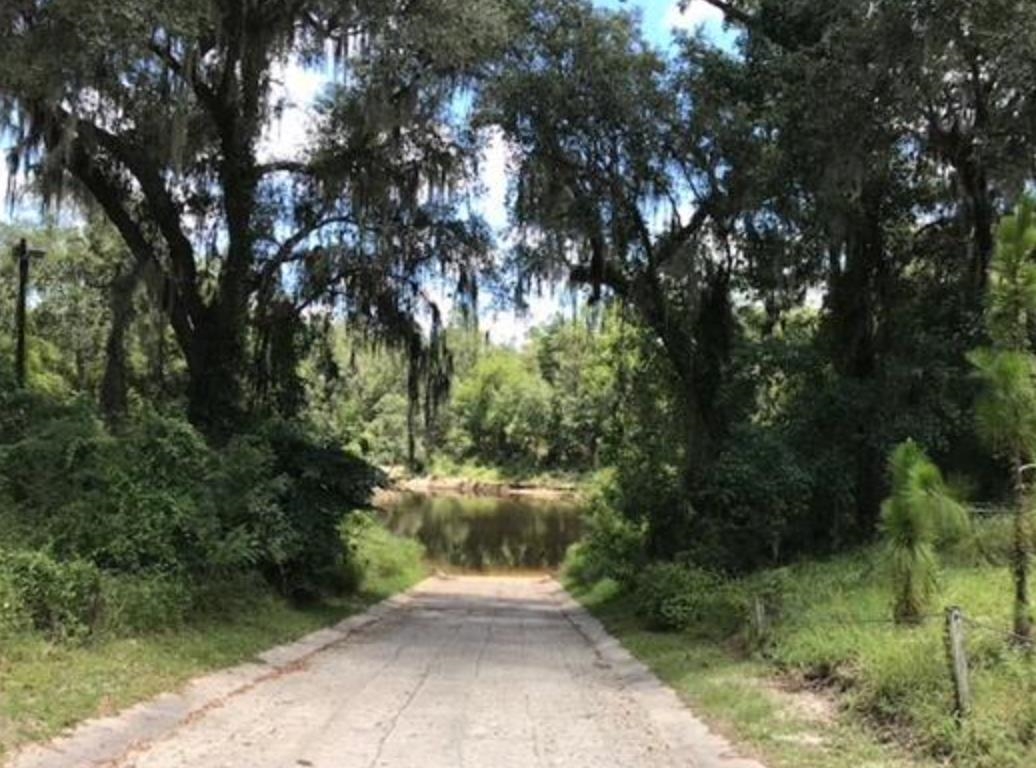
point(46, 687)
point(743, 698)
point(879, 694)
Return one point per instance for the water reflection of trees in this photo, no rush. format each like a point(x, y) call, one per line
point(487, 533)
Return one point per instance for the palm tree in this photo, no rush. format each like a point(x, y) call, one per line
point(918, 514)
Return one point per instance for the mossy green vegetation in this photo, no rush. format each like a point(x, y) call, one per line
point(886, 690)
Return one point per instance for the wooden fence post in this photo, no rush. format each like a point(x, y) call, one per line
point(958, 657)
point(761, 623)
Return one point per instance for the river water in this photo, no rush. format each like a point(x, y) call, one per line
point(485, 534)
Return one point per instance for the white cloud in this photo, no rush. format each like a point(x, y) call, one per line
point(698, 12)
point(495, 173)
point(505, 325)
point(295, 90)
point(512, 329)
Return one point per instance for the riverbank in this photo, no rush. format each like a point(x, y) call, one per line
point(476, 480)
point(463, 486)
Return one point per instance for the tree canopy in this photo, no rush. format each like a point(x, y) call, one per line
point(156, 113)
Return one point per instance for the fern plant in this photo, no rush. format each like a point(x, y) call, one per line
point(919, 513)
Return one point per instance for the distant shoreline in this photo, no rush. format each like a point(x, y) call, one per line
point(467, 487)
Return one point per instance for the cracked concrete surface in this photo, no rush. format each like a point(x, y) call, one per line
point(493, 672)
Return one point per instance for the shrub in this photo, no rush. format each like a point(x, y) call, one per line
point(577, 566)
point(128, 504)
point(159, 499)
point(612, 548)
point(376, 561)
point(321, 483)
point(13, 616)
point(678, 596)
point(753, 501)
point(144, 603)
point(60, 599)
point(613, 545)
point(234, 594)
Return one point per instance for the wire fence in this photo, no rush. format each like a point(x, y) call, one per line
point(956, 624)
point(1019, 640)
point(853, 621)
point(989, 511)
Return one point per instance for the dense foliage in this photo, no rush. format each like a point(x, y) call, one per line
point(549, 406)
point(162, 120)
point(158, 504)
point(811, 276)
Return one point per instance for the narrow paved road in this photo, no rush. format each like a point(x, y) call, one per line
point(492, 672)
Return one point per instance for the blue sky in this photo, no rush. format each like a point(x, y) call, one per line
point(659, 17)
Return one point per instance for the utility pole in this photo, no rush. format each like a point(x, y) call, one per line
point(22, 255)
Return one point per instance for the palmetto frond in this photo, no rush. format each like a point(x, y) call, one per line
point(920, 512)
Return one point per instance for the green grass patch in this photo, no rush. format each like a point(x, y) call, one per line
point(897, 678)
point(46, 687)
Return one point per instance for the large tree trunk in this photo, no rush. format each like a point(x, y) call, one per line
point(699, 358)
point(982, 216)
point(855, 302)
point(216, 363)
point(698, 349)
point(218, 355)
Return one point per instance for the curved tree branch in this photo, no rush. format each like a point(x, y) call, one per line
point(730, 12)
point(110, 196)
point(164, 209)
